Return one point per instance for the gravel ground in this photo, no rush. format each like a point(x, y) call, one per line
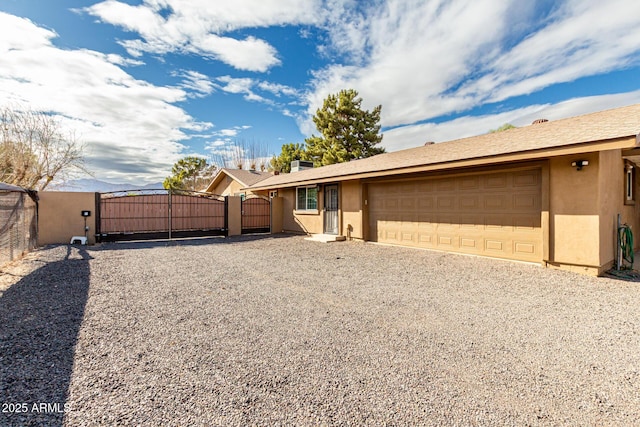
point(282, 331)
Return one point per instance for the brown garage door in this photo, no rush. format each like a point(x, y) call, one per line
point(492, 214)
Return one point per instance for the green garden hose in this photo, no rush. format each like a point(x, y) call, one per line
point(625, 240)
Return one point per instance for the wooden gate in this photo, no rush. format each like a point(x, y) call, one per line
point(256, 215)
point(159, 214)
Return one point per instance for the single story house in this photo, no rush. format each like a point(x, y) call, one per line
point(235, 182)
point(548, 193)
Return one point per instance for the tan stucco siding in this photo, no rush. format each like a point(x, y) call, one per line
point(227, 187)
point(299, 222)
point(611, 202)
point(574, 221)
point(351, 203)
point(231, 187)
point(59, 216)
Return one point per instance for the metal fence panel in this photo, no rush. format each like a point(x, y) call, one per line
point(152, 214)
point(18, 225)
point(256, 215)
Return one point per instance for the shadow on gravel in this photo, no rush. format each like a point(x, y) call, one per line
point(624, 275)
point(200, 241)
point(40, 320)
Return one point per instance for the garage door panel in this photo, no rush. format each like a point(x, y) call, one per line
point(426, 203)
point(496, 181)
point(495, 202)
point(468, 202)
point(446, 185)
point(469, 243)
point(448, 221)
point(526, 223)
point(424, 187)
point(391, 203)
point(495, 214)
point(446, 240)
point(426, 239)
point(526, 202)
point(446, 203)
point(526, 179)
point(406, 237)
point(496, 246)
point(470, 183)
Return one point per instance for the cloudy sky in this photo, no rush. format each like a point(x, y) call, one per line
point(145, 82)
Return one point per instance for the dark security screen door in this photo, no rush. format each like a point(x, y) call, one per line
point(331, 209)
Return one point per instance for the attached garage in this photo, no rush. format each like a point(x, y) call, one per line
point(496, 213)
point(551, 193)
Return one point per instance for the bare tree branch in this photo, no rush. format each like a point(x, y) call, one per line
point(34, 150)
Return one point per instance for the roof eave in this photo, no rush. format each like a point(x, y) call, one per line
point(630, 141)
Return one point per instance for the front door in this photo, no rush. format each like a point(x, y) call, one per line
point(331, 209)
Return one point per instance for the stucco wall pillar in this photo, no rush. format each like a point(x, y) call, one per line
point(234, 215)
point(277, 205)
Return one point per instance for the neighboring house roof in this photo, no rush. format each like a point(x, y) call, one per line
point(537, 138)
point(246, 178)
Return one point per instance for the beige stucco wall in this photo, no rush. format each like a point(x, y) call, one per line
point(277, 215)
point(234, 217)
point(583, 211)
point(611, 202)
point(228, 187)
point(298, 222)
point(351, 203)
point(59, 216)
point(574, 223)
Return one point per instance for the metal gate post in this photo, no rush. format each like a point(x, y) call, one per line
point(170, 213)
point(226, 216)
point(98, 219)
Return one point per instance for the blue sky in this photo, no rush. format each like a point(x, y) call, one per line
point(145, 82)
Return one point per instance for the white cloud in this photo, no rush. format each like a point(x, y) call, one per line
point(120, 60)
point(133, 129)
point(198, 83)
point(229, 132)
point(584, 38)
point(197, 26)
point(422, 60)
point(416, 135)
point(278, 89)
point(248, 87)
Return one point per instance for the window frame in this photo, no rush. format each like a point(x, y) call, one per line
point(306, 208)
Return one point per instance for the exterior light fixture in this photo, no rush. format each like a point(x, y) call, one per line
point(579, 164)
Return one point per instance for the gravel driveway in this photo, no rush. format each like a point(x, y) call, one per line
point(282, 331)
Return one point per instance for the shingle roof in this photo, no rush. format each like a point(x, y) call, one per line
point(601, 126)
point(245, 177)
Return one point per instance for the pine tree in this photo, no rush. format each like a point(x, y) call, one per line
point(290, 152)
point(348, 131)
point(189, 173)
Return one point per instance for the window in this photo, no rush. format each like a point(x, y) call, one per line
point(273, 193)
point(629, 186)
point(307, 198)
